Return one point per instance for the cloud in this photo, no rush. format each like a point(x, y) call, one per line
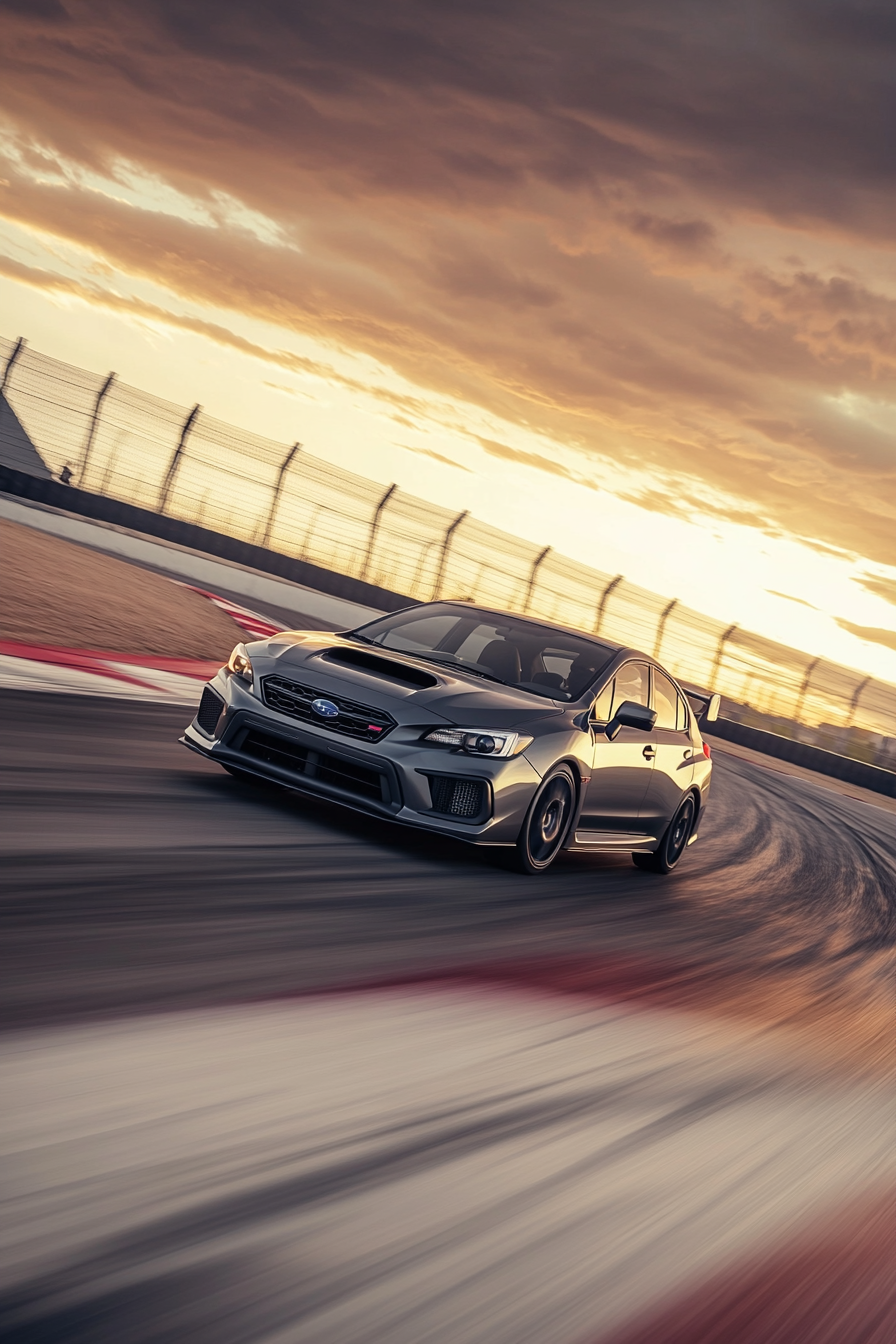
point(872, 634)
point(658, 238)
point(525, 459)
point(881, 587)
point(788, 597)
point(836, 551)
point(436, 457)
point(52, 282)
point(683, 504)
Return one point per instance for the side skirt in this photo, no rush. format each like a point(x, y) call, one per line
point(614, 842)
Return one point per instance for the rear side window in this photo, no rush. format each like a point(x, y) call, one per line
point(632, 683)
point(665, 701)
point(682, 721)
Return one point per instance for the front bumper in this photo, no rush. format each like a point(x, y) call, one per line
point(395, 779)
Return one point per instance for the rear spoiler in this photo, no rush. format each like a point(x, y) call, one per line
point(708, 711)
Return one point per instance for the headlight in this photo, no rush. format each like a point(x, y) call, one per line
point(240, 664)
point(480, 741)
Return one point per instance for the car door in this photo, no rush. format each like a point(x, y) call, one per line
point(673, 767)
point(621, 769)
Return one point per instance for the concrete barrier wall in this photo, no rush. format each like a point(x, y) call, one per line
point(217, 576)
point(152, 524)
point(811, 758)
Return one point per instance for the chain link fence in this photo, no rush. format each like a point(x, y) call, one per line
point(135, 447)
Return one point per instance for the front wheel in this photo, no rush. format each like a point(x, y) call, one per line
point(547, 822)
point(673, 843)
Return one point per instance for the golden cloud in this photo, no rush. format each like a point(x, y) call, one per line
point(556, 242)
point(872, 634)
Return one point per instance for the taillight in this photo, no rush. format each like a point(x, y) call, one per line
point(706, 751)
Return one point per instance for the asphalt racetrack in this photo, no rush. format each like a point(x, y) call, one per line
point(279, 1072)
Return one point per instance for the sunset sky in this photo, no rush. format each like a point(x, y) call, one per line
point(617, 278)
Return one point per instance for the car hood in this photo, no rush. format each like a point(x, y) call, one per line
point(391, 681)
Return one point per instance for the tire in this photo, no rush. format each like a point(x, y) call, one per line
point(547, 822)
point(674, 841)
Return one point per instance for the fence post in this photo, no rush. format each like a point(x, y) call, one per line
point(443, 558)
point(284, 468)
point(854, 702)
point(602, 604)
point(14, 354)
point(807, 677)
point(717, 663)
point(532, 572)
point(175, 460)
point(374, 527)
point(94, 421)
point(661, 625)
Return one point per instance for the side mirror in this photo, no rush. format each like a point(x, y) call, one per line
point(712, 709)
point(630, 715)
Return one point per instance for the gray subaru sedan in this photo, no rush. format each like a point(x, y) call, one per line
point(479, 724)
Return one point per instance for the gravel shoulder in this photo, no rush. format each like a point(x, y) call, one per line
point(57, 592)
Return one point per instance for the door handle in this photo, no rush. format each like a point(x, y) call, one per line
point(649, 753)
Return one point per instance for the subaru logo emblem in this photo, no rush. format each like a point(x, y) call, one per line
point(325, 708)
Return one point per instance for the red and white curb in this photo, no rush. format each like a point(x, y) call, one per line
point(176, 681)
point(42, 667)
point(259, 627)
point(445, 1162)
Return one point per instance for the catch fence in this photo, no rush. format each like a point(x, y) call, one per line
point(132, 446)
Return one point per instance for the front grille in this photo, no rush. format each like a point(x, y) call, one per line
point(209, 711)
point(355, 720)
point(457, 797)
point(318, 765)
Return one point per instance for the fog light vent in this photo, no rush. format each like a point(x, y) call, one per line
point(209, 711)
point(457, 797)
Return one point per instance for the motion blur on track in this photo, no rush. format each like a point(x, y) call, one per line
point(473, 723)
point(274, 1070)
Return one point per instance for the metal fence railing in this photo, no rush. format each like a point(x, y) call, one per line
point(135, 447)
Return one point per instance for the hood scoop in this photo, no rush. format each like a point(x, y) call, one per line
point(380, 667)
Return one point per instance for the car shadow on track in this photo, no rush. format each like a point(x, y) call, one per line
point(344, 824)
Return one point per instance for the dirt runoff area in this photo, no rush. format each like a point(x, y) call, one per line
point(56, 592)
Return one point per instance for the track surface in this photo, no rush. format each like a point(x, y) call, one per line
point(139, 876)
point(455, 1155)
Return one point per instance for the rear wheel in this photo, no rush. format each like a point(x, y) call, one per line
point(673, 843)
point(547, 822)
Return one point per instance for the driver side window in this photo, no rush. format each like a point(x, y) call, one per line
point(632, 683)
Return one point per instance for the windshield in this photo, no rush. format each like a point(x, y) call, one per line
point(503, 648)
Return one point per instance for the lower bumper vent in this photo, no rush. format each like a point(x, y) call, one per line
point(209, 711)
point(457, 797)
point(347, 776)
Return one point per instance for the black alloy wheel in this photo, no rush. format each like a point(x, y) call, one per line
point(674, 841)
point(547, 822)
